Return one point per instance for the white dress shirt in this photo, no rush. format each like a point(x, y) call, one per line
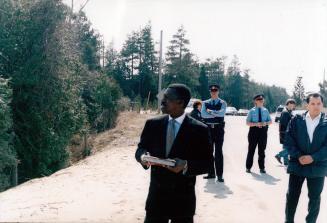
point(311, 124)
point(178, 122)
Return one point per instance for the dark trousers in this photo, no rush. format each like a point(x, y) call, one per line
point(157, 219)
point(217, 137)
point(257, 137)
point(315, 187)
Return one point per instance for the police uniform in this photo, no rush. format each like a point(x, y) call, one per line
point(257, 135)
point(216, 124)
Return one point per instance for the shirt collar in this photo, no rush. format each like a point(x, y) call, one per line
point(180, 119)
point(307, 116)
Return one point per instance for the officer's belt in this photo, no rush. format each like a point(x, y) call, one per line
point(212, 125)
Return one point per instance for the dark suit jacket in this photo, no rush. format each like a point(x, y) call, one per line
point(297, 143)
point(196, 114)
point(173, 194)
point(285, 118)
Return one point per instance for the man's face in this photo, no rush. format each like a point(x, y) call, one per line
point(315, 106)
point(291, 106)
point(214, 92)
point(259, 101)
point(170, 103)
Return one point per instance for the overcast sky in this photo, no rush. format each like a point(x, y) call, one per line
point(276, 39)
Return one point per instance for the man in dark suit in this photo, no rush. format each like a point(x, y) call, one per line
point(306, 142)
point(176, 136)
point(285, 118)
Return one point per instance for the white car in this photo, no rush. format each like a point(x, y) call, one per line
point(231, 111)
point(243, 112)
point(279, 110)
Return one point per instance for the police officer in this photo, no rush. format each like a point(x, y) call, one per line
point(258, 119)
point(213, 112)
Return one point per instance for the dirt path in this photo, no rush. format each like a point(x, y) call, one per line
point(111, 187)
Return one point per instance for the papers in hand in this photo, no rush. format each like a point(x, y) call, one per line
point(156, 160)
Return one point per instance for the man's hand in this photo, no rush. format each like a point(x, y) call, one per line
point(208, 110)
point(180, 164)
point(147, 163)
point(305, 160)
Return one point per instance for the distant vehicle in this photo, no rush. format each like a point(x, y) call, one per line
point(298, 112)
point(231, 111)
point(243, 112)
point(189, 107)
point(279, 110)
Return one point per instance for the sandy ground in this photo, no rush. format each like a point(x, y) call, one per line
point(110, 186)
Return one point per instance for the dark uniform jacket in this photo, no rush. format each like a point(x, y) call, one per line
point(285, 117)
point(172, 194)
point(297, 143)
point(196, 114)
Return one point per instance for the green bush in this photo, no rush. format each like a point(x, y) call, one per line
point(101, 100)
point(7, 155)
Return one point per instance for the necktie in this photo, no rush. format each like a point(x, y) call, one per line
point(170, 136)
point(260, 117)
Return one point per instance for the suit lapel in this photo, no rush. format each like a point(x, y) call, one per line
point(304, 126)
point(163, 129)
point(321, 122)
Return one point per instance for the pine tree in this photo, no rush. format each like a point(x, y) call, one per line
point(204, 86)
point(181, 67)
point(323, 90)
point(298, 92)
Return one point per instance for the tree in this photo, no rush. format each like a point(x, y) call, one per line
point(181, 67)
point(323, 90)
point(148, 64)
point(204, 86)
point(47, 108)
point(7, 153)
point(234, 84)
point(298, 92)
point(88, 42)
point(135, 67)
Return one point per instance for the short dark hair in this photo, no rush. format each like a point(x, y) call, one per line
point(183, 92)
point(314, 95)
point(290, 101)
point(196, 104)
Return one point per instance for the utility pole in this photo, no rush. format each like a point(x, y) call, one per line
point(160, 73)
point(87, 1)
point(73, 6)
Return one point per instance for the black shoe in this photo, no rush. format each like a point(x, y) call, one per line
point(221, 179)
point(262, 171)
point(248, 170)
point(209, 176)
point(278, 159)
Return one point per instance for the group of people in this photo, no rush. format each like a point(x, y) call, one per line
point(195, 142)
point(212, 111)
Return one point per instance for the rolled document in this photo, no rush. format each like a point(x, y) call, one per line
point(153, 159)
